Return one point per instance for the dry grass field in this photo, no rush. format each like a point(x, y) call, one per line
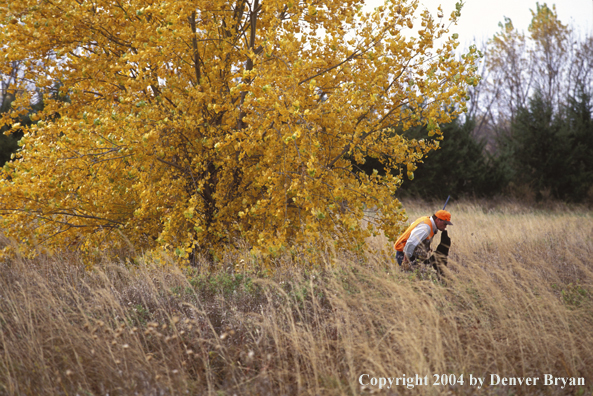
point(517, 301)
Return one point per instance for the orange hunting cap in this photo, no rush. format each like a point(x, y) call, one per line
point(444, 215)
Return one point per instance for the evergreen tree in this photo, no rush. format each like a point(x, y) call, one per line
point(460, 167)
point(579, 122)
point(550, 151)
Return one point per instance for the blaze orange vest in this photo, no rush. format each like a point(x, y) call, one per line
point(401, 241)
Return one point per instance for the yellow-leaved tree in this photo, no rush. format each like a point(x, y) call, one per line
point(194, 123)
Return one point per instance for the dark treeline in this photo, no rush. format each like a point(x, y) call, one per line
point(545, 154)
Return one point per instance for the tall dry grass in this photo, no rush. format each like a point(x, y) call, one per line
point(516, 301)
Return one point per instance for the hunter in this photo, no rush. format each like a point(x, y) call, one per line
point(414, 243)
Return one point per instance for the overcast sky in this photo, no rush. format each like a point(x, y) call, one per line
point(479, 18)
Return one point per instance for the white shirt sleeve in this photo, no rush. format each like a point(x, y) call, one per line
point(420, 233)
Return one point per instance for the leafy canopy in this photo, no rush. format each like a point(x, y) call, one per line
point(192, 123)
